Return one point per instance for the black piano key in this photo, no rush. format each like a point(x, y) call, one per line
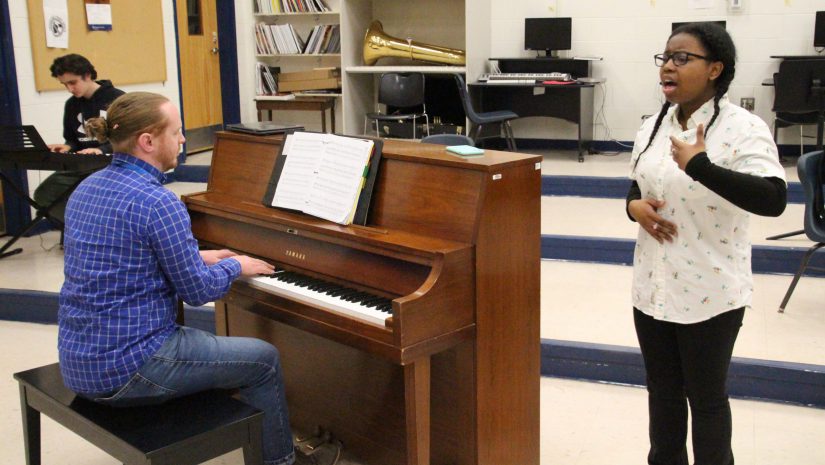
point(373, 301)
point(362, 297)
point(347, 294)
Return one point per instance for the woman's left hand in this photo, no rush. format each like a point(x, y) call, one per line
point(683, 152)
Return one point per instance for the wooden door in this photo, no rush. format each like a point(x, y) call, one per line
point(200, 71)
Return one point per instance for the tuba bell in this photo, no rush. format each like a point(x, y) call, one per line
point(377, 45)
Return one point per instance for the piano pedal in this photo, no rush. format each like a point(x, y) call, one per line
point(326, 453)
point(300, 437)
point(314, 443)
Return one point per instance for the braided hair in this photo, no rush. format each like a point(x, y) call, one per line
point(719, 46)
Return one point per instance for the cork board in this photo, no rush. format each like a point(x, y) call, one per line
point(132, 52)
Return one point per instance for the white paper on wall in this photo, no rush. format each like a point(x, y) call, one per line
point(99, 16)
point(56, 15)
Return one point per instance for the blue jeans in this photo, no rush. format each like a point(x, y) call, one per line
point(191, 360)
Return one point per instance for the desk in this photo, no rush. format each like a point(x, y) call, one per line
point(570, 102)
point(320, 103)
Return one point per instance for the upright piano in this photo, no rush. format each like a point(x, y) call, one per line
point(452, 246)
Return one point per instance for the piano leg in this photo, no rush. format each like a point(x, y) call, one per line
point(417, 400)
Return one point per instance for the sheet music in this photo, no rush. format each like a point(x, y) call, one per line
point(323, 175)
point(335, 190)
point(303, 151)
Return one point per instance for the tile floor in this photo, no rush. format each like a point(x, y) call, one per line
point(582, 423)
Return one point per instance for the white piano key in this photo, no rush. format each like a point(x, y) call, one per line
point(320, 299)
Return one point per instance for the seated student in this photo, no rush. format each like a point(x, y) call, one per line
point(129, 256)
point(89, 99)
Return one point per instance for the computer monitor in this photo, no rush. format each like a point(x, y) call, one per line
point(675, 25)
point(819, 29)
point(548, 34)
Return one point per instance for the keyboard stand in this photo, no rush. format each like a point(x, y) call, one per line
point(42, 213)
point(17, 141)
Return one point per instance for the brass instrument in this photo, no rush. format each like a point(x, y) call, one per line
point(377, 45)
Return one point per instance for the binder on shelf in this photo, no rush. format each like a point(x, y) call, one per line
point(325, 175)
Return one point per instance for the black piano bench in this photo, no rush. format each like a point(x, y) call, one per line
point(185, 431)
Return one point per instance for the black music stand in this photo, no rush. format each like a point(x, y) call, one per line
point(20, 146)
point(804, 82)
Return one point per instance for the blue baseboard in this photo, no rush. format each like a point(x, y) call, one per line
point(757, 379)
point(41, 307)
point(190, 173)
point(608, 250)
point(795, 383)
point(616, 188)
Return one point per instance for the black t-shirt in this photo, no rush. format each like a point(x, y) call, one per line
point(79, 109)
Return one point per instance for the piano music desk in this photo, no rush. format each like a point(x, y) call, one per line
point(452, 378)
point(320, 103)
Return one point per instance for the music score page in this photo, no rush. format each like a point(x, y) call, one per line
point(323, 175)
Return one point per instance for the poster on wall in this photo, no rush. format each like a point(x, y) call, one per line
point(56, 15)
point(99, 15)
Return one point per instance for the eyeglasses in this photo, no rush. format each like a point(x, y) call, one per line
point(679, 58)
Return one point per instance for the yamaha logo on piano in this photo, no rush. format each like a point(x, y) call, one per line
point(298, 255)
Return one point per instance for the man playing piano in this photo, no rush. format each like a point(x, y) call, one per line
point(129, 256)
point(89, 99)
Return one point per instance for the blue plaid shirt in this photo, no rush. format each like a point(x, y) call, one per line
point(129, 254)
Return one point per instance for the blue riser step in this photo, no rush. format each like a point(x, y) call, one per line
point(758, 379)
point(748, 378)
point(765, 259)
point(615, 188)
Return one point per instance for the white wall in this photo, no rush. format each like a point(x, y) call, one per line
point(627, 33)
point(45, 109)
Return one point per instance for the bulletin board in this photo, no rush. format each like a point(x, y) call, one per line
point(132, 52)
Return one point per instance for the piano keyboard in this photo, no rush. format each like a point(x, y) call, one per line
point(351, 302)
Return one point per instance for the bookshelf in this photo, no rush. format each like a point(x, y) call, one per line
point(462, 24)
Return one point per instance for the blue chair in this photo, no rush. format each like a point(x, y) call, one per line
point(447, 139)
point(810, 169)
point(502, 117)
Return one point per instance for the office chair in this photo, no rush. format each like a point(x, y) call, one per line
point(501, 117)
point(794, 102)
point(403, 95)
point(810, 168)
point(447, 139)
point(800, 99)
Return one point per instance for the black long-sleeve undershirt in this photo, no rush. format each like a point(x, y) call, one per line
point(764, 196)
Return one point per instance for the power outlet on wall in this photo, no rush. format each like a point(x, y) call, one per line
point(747, 103)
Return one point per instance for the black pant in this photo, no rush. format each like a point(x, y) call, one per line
point(688, 362)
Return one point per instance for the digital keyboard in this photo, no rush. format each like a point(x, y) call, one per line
point(516, 78)
point(330, 296)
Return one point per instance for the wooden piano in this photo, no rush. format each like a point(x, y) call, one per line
point(451, 377)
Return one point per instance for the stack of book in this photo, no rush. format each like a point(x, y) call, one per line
point(290, 6)
point(265, 83)
point(277, 39)
point(318, 78)
point(324, 38)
